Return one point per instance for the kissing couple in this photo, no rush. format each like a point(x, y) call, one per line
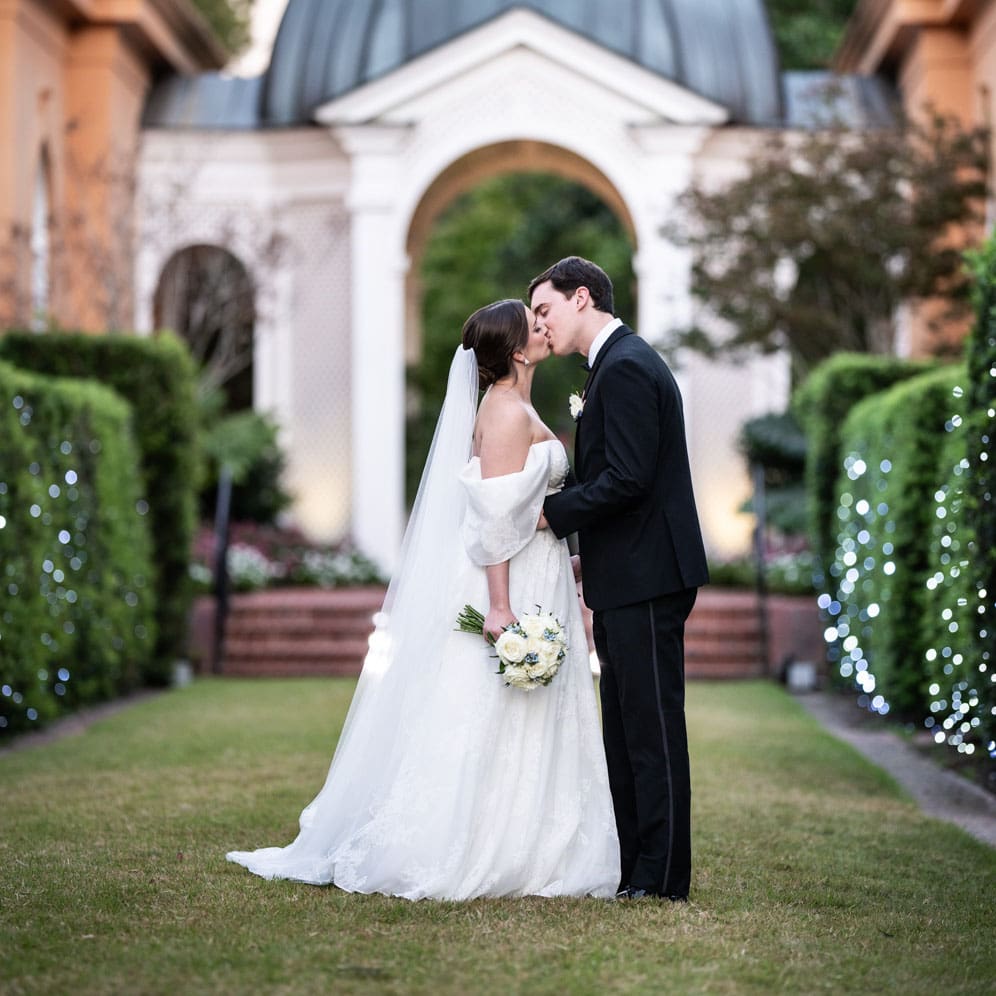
point(446, 782)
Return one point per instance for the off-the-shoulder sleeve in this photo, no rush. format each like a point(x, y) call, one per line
point(502, 512)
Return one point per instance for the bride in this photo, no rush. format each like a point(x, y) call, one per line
point(447, 783)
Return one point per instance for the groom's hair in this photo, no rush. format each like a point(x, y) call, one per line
point(573, 272)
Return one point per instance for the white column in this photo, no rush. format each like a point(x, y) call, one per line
point(145, 289)
point(662, 268)
point(378, 264)
point(273, 350)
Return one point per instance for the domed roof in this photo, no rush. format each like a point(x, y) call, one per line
point(720, 49)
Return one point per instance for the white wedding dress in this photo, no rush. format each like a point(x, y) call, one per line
point(447, 783)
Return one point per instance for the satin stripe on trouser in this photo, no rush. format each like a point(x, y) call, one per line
point(641, 650)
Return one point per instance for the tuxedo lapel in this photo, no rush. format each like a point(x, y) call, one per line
point(619, 333)
point(616, 337)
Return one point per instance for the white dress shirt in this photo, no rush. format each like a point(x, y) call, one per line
point(599, 341)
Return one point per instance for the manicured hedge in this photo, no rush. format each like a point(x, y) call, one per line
point(776, 443)
point(821, 404)
point(954, 689)
point(158, 377)
point(77, 620)
point(960, 621)
point(980, 502)
point(910, 523)
point(886, 508)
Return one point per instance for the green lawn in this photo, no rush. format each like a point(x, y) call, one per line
point(813, 873)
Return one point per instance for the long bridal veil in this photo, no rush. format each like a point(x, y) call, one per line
point(416, 615)
point(399, 671)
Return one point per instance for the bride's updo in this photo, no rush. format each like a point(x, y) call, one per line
point(494, 333)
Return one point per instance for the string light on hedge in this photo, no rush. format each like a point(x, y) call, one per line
point(62, 555)
point(855, 564)
point(952, 720)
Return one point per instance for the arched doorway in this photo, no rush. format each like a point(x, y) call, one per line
point(484, 228)
point(470, 170)
point(206, 296)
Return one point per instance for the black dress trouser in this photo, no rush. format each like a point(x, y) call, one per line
point(641, 650)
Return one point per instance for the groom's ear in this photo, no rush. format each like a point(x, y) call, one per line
point(583, 297)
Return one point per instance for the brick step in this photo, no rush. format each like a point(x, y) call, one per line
point(300, 617)
point(311, 598)
point(309, 647)
point(725, 671)
point(717, 632)
point(331, 627)
point(736, 646)
point(727, 598)
point(300, 632)
point(711, 615)
point(718, 626)
point(291, 668)
point(716, 610)
point(310, 631)
point(357, 608)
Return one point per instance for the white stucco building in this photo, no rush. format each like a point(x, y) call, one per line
point(371, 118)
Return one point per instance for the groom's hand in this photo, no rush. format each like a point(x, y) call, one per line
point(542, 524)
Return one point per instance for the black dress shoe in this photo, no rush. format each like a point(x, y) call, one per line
point(630, 893)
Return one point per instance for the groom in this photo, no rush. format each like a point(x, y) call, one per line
point(643, 561)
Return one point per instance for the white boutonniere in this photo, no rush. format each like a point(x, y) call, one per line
point(576, 404)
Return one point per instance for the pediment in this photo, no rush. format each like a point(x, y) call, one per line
point(516, 52)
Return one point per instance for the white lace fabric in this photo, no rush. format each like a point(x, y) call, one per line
point(447, 784)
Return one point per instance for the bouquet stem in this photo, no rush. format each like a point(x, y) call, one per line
point(470, 620)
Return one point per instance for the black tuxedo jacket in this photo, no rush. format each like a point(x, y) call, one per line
point(632, 503)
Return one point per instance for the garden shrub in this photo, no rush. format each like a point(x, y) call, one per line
point(77, 622)
point(980, 503)
point(777, 443)
point(784, 573)
point(247, 443)
point(960, 622)
point(264, 556)
point(951, 659)
point(885, 509)
point(821, 404)
point(158, 377)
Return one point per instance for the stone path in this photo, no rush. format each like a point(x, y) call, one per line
point(938, 792)
point(76, 722)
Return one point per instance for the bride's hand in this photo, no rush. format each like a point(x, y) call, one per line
point(495, 622)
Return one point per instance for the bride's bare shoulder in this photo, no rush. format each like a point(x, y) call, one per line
point(502, 419)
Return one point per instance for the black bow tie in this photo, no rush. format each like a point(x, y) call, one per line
point(585, 367)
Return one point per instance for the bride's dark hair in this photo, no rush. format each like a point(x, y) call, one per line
point(494, 333)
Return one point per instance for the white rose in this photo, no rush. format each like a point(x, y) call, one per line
point(518, 678)
point(511, 647)
point(576, 405)
point(550, 658)
point(533, 626)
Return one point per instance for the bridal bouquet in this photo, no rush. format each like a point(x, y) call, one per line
point(530, 651)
